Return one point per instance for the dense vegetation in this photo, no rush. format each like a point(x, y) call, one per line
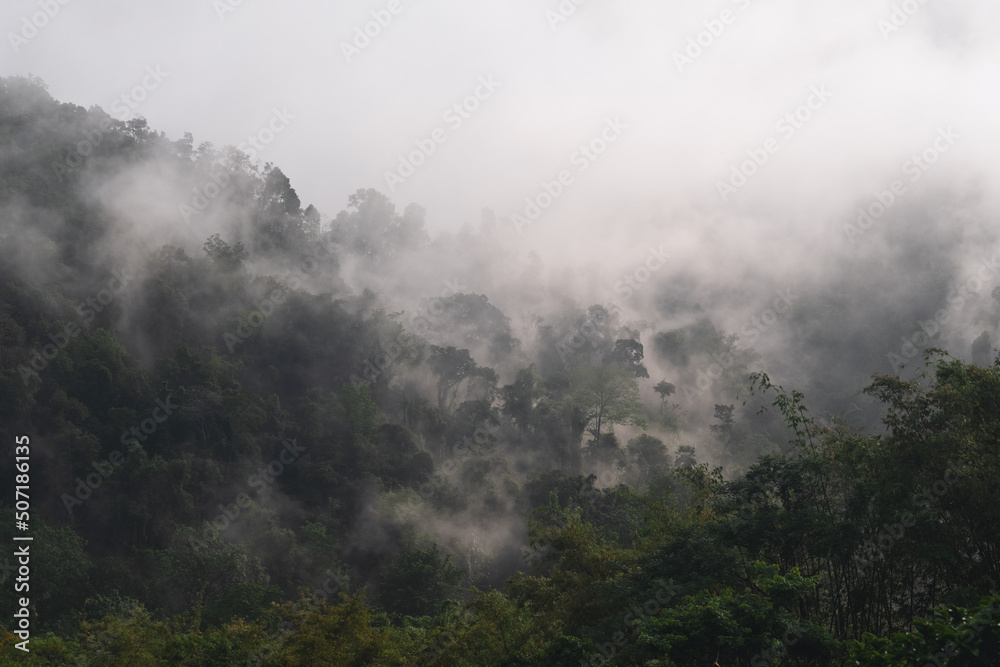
point(238, 460)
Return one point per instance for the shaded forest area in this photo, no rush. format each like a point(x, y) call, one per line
point(240, 459)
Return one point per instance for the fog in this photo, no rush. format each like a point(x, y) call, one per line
point(225, 68)
point(733, 146)
point(755, 185)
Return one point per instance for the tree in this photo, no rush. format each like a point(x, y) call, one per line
point(982, 353)
point(607, 395)
point(279, 222)
point(311, 216)
point(685, 457)
point(953, 635)
point(347, 634)
point(649, 456)
point(201, 566)
point(724, 429)
point(479, 323)
point(605, 452)
point(664, 389)
point(58, 555)
point(417, 582)
point(229, 257)
point(374, 230)
point(576, 339)
point(452, 366)
point(628, 356)
point(278, 196)
point(519, 398)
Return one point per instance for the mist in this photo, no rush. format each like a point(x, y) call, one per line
point(410, 236)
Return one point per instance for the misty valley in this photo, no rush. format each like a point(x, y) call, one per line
point(239, 430)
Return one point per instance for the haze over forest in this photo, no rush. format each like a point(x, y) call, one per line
point(431, 333)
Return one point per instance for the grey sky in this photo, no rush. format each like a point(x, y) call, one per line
point(225, 73)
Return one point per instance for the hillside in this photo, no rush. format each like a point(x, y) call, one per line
point(262, 435)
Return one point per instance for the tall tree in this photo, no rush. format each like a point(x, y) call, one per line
point(627, 355)
point(724, 430)
point(451, 366)
point(664, 389)
point(520, 397)
point(372, 228)
point(607, 396)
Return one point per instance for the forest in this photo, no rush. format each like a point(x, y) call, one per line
point(261, 435)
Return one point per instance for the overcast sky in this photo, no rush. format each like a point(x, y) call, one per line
point(882, 87)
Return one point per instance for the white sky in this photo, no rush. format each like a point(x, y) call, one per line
point(890, 96)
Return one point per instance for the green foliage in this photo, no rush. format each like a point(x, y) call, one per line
point(650, 452)
point(419, 581)
point(372, 229)
point(607, 396)
point(961, 637)
point(229, 258)
point(278, 433)
point(452, 367)
point(627, 355)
